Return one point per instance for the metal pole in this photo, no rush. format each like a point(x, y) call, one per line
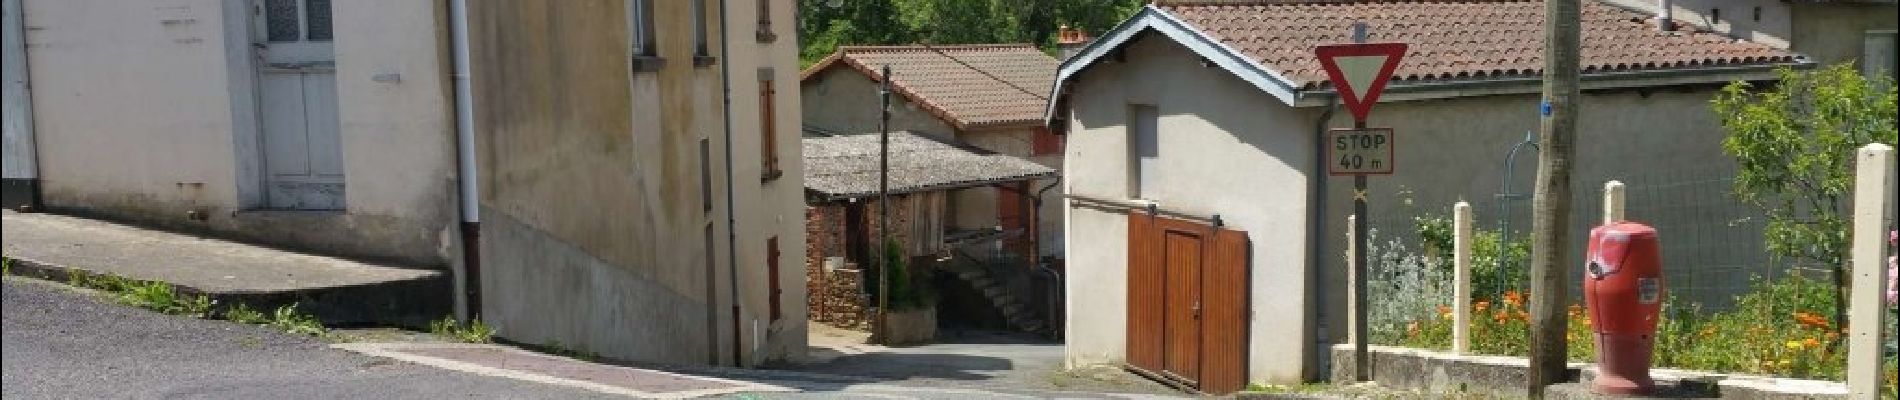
point(884, 207)
point(1362, 363)
point(1551, 202)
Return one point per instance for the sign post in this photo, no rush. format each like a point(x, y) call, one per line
point(1358, 73)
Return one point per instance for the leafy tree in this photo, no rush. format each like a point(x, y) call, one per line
point(1794, 143)
point(823, 28)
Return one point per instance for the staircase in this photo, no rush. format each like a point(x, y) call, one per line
point(1004, 284)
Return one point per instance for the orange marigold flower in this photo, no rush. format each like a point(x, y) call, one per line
point(1481, 305)
point(1444, 310)
point(1513, 298)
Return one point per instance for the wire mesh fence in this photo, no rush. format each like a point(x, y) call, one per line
point(1712, 242)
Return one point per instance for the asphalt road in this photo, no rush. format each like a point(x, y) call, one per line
point(59, 343)
point(63, 343)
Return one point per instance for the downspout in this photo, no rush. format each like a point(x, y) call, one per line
point(466, 174)
point(732, 231)
point(1035, 247)
point(21, 189)
point(1315, 225)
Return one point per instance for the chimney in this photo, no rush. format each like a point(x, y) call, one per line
point(1664, 20)
point(1070, 41)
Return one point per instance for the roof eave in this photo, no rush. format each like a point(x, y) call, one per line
point(1533, 84)
point(818, 196)
point(1160, 21)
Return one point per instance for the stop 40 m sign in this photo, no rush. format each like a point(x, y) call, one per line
point(1359, 151)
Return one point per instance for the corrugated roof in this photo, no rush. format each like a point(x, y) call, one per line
point(969, 86)
point(842, 167)
point(1458, 40)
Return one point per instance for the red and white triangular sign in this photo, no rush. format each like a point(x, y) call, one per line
point(1359, 71)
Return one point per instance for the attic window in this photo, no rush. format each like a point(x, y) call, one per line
point(1715, 16)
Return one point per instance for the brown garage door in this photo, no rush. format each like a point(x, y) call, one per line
point(1187, 302)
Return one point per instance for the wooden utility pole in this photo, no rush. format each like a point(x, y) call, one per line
point(1550, 206)
point(884, 208)
point(1361, 353)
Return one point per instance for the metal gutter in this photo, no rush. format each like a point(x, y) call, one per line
point(1594, 81)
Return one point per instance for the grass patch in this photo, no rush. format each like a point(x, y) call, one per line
point(244, 314)
point(474, 332)
point(292, 321)
point(167, 299)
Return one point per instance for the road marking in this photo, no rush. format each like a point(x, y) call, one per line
point(392, 351)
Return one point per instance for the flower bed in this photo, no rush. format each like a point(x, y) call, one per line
point(1776, 330)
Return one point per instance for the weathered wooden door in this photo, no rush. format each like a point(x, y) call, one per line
point(1181, 301)
point(1187, 303)
point(303, 152)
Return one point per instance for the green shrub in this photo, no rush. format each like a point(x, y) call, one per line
point(291, 320)
point(905, 292)
point(474, 332)
point(244, 314)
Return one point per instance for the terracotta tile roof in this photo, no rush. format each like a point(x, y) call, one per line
point(842, 167)
point(969, 86)
point(1458, 40)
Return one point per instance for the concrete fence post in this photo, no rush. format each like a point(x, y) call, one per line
point(1873, 212)
point(1461, 278)
point(1352, 291)
point(1612, 202)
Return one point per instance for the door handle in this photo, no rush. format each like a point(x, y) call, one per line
point(1197, 310)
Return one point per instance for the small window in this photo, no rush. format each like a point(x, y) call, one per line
point(640, 26)
point(1757, 13)
point(1046, 142)
point(765, 22)
point(768, 125)
point(771, 278)
point(1143, 150)
point(1715, 16)
point(289, 21)
point(700, 47)
point(705, 175)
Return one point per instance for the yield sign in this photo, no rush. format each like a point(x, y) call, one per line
point(1359, 71)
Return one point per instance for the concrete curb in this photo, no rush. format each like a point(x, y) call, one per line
point(1418, 369)
point(412, 302)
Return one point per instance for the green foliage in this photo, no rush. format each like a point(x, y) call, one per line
point(291, 320)
point(1777, 329)
point(474, 332)
point(244, 314)
point(162, 297)
point(1494, 269)
point(1794, 143)
point(905, 292)
point(823, 28)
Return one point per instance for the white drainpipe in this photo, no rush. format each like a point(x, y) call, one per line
point(466, 174)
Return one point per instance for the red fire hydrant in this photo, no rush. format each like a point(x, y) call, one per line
point(1623, 286)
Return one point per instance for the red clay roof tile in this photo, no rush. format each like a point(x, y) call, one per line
point(1454, 40)
point(970, 86)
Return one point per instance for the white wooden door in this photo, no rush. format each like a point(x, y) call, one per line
point(303, 154)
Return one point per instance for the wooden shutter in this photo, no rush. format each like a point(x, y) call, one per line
point(768, 128)
point(1225, 300)
point(1145, 277)
point(771, 276)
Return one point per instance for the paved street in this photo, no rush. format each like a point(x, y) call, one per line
point(61, 342)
